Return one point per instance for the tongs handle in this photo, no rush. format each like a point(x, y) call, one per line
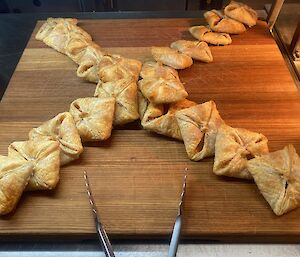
point(175, 237)
point(178, 222)
point(103, 238)
point(104, 241)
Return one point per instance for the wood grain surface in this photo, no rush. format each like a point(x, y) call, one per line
point(136, 176)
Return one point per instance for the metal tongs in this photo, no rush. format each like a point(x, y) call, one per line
point(104, 238)
point(107, 248)
point(178, 222)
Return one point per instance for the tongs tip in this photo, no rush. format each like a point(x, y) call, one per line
point(182, 192)
point(89, 193)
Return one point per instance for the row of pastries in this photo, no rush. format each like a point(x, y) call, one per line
point(234, 19)
point(127, 90)
point(35, 164)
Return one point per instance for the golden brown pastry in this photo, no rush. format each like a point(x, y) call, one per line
point(81, 50)
point(89, 71)
point(14, 177)
point(234, 147)
point(161, 119)
point(115, 67)
point(159, 91)
point(44, 155)
point(125, 93)
point(158, 70)
point(204, 33)
point(199, 126)
point(277, 176)
point(219, 23)
point(109, 68)
point(62, 129)
point(93, 117)
point(197, 50)
point(241, 12)
point(142, 104)
point(64, 36)
point(171, 57)
point(56, 33)
point(50, 24)
point(94, 64)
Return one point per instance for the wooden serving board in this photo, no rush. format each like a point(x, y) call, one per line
point(136, 176)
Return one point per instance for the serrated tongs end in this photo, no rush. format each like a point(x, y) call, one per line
point(182, 192)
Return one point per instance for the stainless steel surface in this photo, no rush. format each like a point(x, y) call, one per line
point(178, 222)
point(295, 44)
point(104, 240)
point(155, 250)
point(283, 32)
point(274, 12)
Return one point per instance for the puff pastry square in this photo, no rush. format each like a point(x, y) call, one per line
point(234, 147)
point(62, 129)
point(14, 177)
point(81, 50)
point(125, 93)
point(44, 155)
point(171, 57)
point(199, 126)
point(161, 118)
point(158, 70)
point(115, 67)
point(219, 23)
point(89, 71)
point(109, 68)
point(204, 33)
point(159, 91)
point(56, 33)
point(93, 117)
point(277, 176)
point(241, 12)
point(50, 24)
point(197, 50)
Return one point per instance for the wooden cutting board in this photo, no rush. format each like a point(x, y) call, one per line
point(136, 176)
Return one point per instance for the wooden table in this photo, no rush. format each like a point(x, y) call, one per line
point(136, 176)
